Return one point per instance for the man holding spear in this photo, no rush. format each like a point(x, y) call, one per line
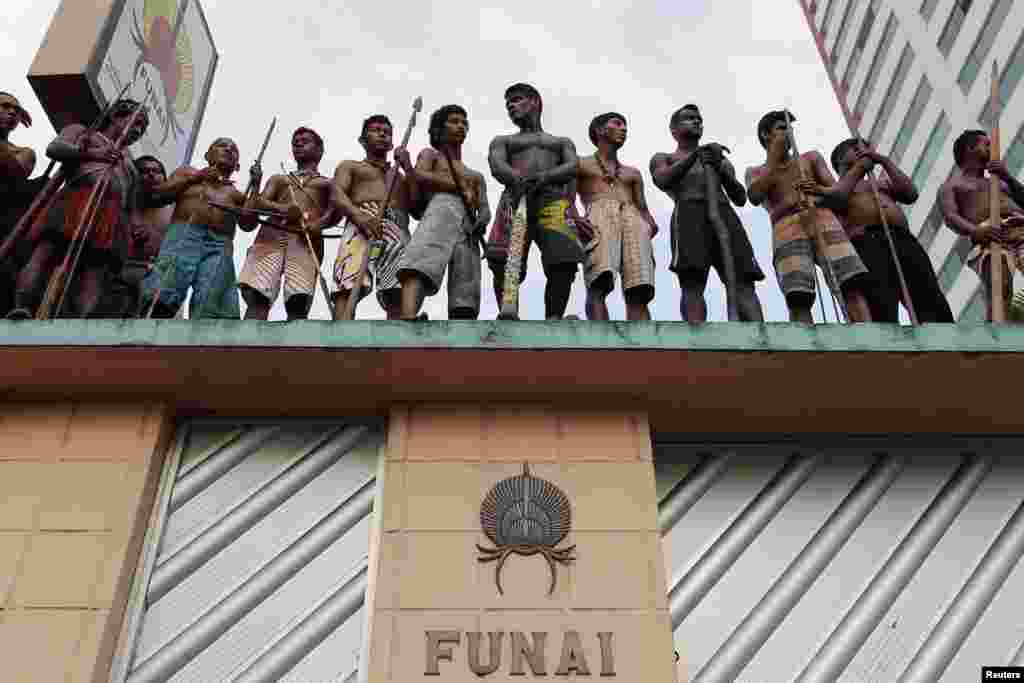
point(278, 254)
point(89, 213)
point(870, 213)
point(197, 250)
point(804, 233)
point(706, 231)
point(361, 194)
point(969, 202)
point(623, 227)
point(457, 213)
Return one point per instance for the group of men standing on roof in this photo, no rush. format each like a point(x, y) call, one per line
point(123, 239)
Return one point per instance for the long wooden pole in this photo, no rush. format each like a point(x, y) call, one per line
point(44, 199)
point(904, 290)
point(364, 266)
point(62, 279)
point(295, 182)
point(819, 239)
point(994, 213)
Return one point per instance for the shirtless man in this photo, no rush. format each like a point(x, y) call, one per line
point(446, 237)
point(197, 250)
point(853, 159)
point(16, 163)
point(965, 206)
point(695, 244)
point(16, 192)
point(623, 227)
point(359, 189)
point(279, 254)
point(85, 161)
point(796, 196)
point(540, 168)
point(148, 225)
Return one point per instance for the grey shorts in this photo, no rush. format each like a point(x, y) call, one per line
point(444, 240)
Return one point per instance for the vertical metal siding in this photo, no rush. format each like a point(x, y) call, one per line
point(790, 562)
point(261, 569)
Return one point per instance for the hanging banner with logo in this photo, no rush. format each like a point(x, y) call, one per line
point(164, 48)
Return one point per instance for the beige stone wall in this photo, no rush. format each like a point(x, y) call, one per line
point(72, 480)
point(441, 462)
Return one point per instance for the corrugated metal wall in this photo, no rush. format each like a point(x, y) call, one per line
point(259, 573)
point(849, 562)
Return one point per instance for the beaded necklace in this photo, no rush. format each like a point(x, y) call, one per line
point(610, 178)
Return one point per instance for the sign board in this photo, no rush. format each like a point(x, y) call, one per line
point(163, 48)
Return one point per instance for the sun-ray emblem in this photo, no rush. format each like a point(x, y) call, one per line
point(524, 515)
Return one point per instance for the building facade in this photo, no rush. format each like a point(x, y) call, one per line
point(911, 75)
point(222, 501)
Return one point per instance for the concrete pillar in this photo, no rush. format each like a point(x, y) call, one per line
point(441, 462)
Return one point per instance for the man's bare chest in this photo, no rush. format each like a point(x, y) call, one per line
point(533, 144)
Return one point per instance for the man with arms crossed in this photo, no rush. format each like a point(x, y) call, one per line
point(538, 168)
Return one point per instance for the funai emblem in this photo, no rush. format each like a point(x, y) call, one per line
point(524, 515)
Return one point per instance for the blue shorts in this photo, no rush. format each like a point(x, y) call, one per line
point(195, 256)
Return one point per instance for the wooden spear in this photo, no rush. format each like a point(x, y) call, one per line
point(44, 199)
point(62, 278)
point(364, 266)
point(295, 182)
point(994, 214)
point(904, 290)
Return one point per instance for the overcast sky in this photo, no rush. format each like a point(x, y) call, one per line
point(329, 64)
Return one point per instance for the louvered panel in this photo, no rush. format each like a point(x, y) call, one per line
point(263, 554)
point(849, 563)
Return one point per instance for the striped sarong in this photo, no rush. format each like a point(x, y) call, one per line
point(277, 255)
point(796, 252)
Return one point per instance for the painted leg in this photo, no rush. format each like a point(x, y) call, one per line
point(33, 277)
point(297, 306)
point(257, 305)
point(90, 291)
point(557, 291)
point(597, 297)
point(857, 305)
point(749, 304)
point(693, 306)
